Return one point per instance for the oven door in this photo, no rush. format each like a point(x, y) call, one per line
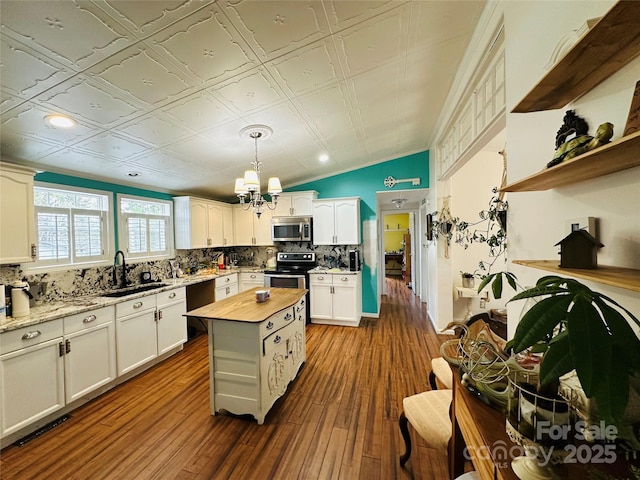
point(284, 280)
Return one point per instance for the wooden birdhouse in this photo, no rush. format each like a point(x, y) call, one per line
point(579, 249)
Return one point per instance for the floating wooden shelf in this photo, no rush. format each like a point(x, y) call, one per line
point(626, 278)
point(613, 157)
point(607, 47)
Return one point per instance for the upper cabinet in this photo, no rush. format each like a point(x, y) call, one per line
point(295, 204)
point(18, 232)
point(202, 223)
point(603, 50)
point(249, 229)
point(336, 221)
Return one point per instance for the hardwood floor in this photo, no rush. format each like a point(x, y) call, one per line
point(338, 420)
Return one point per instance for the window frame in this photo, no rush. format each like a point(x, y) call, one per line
point(123, 231)
point(107, 234)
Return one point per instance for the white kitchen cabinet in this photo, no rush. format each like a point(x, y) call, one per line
point(136, 342)
point(249, 280)
point(90, 351)
point(227, 226)
point(18, 237)
point(295, 204)
point(225, 286)
point(336, 221)
point(336, 298)
point(31, 375)
point(148, 327)
point(249, 229)
point(201, 223)
point(170, 321)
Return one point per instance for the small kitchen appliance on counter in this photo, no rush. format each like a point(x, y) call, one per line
point(354, 260)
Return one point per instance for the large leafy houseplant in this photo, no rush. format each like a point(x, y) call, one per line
point(577, 328)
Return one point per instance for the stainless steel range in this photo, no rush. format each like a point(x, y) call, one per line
point(292, 271)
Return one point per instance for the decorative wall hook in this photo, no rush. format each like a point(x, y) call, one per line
point(391, 182)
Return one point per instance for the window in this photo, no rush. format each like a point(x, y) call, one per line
point(73, 226)
point(146, 227)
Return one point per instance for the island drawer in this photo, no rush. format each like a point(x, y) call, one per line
point(32, 335)
point(300, 309)
point(276, 321)
point(280, 338)
point(84, 320)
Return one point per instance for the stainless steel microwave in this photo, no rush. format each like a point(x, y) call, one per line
point(291, 229)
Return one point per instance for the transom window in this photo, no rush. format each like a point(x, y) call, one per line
point(145, 227)
point(73, 226)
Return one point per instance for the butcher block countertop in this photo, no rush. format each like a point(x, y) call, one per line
point(244, 308)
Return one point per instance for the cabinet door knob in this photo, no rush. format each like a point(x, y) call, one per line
point(89, 319)
point(31, 335)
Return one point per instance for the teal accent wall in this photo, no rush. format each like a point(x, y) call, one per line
point(59, 179)
point(364, 183)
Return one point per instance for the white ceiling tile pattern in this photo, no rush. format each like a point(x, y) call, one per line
point(162, 88)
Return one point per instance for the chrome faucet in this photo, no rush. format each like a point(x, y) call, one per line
point(124, 270)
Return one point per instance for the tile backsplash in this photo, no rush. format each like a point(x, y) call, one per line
point(67, 284)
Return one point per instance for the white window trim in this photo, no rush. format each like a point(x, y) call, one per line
point(109, 245)
point(123, 240)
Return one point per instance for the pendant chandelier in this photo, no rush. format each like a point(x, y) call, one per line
point(249, 187)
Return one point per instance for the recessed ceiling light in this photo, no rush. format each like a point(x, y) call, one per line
point(61, 121)
point(324, 157)
point(134, 174)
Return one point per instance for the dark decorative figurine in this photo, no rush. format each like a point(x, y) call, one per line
point(582, 142)
point(579, 249)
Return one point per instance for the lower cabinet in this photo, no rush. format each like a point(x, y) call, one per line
point(226, 286)
point(149, 326)
point(31, 375)
point(90, 352)
point(47, 366)
point(336, 298)
point(253, 363)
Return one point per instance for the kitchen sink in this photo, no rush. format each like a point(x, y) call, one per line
point(123, 292)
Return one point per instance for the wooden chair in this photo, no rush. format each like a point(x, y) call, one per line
point(429, 412)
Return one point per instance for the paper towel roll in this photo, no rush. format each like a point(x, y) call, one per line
point(3, 306)
point(19, 299)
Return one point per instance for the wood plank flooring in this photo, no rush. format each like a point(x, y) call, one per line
point(338, 420)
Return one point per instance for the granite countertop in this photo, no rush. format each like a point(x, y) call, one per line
point(343, 271)
point(53, 310)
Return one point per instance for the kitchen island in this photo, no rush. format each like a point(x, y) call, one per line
point(255, 349)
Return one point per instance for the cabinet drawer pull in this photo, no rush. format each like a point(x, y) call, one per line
point(31, 335)
point(137, 305)
point(172, 295)
point(89, 319)
point(345, 279)
point(227, 279)
point(287, 317)
point(252, 276)
point(269, 326)
point(320, 278)
point(277, 339)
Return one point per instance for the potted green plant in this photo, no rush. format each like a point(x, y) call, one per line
point(579, 329)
